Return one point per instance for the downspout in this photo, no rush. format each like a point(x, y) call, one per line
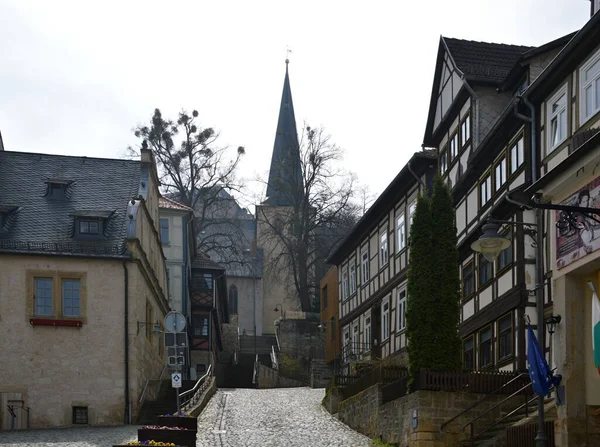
point(532, 121)
point(126, 285)
point(416, 176)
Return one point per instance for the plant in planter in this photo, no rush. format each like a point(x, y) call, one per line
point(162, 433)
point(184, 420)
point(148, 442)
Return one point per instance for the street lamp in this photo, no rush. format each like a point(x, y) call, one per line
point(490, 244)
point(551, 323)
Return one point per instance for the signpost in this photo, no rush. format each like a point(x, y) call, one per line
point(176, 344)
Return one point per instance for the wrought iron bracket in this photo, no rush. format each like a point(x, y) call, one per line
point(530, 229)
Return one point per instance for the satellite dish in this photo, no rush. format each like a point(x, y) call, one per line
point(175, 322)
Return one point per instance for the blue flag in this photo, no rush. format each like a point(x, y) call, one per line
point(539, 371)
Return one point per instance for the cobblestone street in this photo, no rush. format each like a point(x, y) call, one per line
point(273, 417)
point(236, 417)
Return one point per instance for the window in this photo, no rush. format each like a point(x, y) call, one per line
point(200, 326)
point(344, 285)
point(557, 119)
point(233, 300)
point(485, 271)
point(57, 191)
point(505, 337)
point(453, 147)
point(70, 297)
point(485, 347)
point(589, 76)
point(468, 280)
point(385, 320)
point(500, 173)
point(164, 231)
point(80, 415)
point(365, 267)
point(324, 298)
point(468, 362)
point(43, 296)
point(485, 191)
point(202, 281)
point(505, 256)
point(346, 344)
point(401, 229)
point(401, 311)
point(367, 333)
point(91, 227)
point(411, 212)
point(443, 161)
point(352, 279)
point(355, 340)
point(383, 248)
point(517, 155)
point(465, 131)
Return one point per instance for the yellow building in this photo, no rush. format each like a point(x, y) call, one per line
point(82, 281)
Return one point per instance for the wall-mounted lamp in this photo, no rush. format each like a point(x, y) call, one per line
point(156, 329)
point(279, 308)
point(551, 323)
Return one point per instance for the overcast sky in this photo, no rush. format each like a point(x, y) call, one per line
point(77, 76)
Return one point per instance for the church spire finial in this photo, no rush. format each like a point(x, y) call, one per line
point(287, 59)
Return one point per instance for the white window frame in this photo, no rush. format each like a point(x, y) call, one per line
point(383, 248)
point(401, 311)
point(453, 146)
point(550, 116)
point(385, 319)
point(516, 155)
point(444, 161)
point(465, 128)
point(344, 285)
point(401, 232)
point(367, 333)
point(352, 279)
point(411, 212)
point(355, 337)
point(584, 85)
point(501, 174)
point(345, 341)
point(485, 186)
point(365, 267)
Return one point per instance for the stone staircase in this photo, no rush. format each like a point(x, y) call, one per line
point(165, 403)
point(263, 344)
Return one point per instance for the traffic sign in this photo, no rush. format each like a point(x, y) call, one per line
point(176, 380)
point(175, 322)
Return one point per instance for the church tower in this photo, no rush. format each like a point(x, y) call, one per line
point(284, 192)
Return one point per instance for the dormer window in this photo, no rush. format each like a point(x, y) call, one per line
point(87, 226)
point(5, 213)
point(91, 224)
point(57, 188)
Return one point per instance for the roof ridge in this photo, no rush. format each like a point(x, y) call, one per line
point(489, 43)
point(81, 157)
point(179, 204)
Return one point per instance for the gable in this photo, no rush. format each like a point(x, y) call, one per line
point(449, 86)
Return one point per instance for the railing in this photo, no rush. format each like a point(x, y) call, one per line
point(191, 396)
point(468, 381)
point(255, 372)
point(524, 435)
point(508, 387)
point(395, 390)
point(148, 381)
point(353, 385)
point(353, 351)
point(274, 360)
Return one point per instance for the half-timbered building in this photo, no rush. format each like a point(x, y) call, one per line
point(372, 269)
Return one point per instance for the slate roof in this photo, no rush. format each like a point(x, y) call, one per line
point(202, 261)
point(483, 61)
point(101, 187)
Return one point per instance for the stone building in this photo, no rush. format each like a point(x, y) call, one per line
point(330, 316)
point(82, 281)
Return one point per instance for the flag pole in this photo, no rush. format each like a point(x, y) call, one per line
point(541, 438)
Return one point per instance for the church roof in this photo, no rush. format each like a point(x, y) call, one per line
point(285, 175)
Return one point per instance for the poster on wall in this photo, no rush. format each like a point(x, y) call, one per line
point(575, 243)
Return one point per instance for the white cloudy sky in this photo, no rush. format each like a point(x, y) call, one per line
point(77, 76)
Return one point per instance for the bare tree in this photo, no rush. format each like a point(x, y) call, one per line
point(200, 174)
point(300, 236)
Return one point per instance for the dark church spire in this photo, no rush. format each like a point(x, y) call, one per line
point(285, 176)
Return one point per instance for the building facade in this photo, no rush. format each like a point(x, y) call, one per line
point(82, 281)
point(372, 265)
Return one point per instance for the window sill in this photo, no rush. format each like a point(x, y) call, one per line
point(505, 361)
point(468, 297)
point(55, 322)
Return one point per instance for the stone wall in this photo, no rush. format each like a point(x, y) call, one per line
point(270, 378)
point(229, 337)
point(249, 300)
point(301, 338)
point(320, 373)
point(393, 422)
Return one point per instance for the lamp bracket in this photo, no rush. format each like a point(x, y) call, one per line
point(530, 229)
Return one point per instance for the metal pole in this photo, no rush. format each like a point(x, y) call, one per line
point(541, 438)
point(177, 393)
point(254, 304)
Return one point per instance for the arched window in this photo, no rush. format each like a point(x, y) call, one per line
point(233, 300)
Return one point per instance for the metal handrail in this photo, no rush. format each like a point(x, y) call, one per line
point(497, 404)
point(148, 381)
point(526, 405)
point(483, 399)
point(198, 383)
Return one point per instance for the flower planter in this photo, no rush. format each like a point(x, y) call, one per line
point(177, 421)
point(133, 445)
point(184, 438)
